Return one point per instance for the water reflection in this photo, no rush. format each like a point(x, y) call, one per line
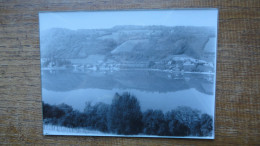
point(143, 80)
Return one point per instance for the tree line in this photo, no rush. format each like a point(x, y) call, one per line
point(124, 116)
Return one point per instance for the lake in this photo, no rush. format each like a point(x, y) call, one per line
point(153, 89)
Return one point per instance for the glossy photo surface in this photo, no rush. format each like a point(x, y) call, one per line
point(133, 73)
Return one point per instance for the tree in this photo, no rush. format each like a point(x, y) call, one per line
point(206, 125)
point(96, 116)
point(176, 126)
point(125, 116)
point(46, 111)
point(54, 114)
point(71, 119)
point(154, 123)
point(66, 108)
point(183, 121)
point(60, 113)
point(101, 110)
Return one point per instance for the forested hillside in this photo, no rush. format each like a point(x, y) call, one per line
point(129, 47)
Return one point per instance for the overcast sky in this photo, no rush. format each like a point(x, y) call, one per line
point(108, 19)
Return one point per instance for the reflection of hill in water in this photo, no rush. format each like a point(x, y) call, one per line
point(140, 80)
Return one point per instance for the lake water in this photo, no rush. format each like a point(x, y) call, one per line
point(153, 89)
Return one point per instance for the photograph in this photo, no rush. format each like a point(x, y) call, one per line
point(129, 73)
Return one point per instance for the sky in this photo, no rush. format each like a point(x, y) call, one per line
point(109, 19)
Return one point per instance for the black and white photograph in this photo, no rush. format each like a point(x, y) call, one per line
point(129, 73)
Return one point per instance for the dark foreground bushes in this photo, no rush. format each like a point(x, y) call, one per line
point(124, 116)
